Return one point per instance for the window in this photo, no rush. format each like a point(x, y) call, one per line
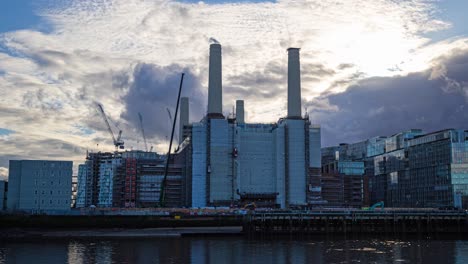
point(51, 192)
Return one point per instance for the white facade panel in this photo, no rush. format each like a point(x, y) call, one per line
point(280, 152)
point(296, 162)
point(221, 146)
point(199, 166)
point(256, 156)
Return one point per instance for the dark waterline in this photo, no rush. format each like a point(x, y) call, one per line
point(234, 250)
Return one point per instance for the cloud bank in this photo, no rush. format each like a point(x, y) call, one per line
point(361, 60)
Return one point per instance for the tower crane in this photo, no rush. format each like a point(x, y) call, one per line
point(118, 143)
point(143, 130)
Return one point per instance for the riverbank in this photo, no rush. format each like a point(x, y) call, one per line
point(35, 233)
point(109, 222)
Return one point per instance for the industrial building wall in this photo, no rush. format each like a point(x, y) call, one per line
point(81, 188)
point(280, 150)
point(315, 146)
point(199, 166)
point(314, 184)
point(220, 162)
point(256, 156)
point(296, 162)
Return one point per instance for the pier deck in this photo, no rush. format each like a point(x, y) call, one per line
point(356, 222)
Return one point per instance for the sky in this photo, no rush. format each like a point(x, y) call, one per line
point(369, 68)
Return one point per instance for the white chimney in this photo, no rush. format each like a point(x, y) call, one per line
point(294, 84)
point(240, 111)
point(184, 117)
point(215, 91)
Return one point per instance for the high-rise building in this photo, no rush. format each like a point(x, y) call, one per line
point(39, 185)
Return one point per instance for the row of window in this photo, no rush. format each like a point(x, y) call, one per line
point(44, 192)
point(51, 202)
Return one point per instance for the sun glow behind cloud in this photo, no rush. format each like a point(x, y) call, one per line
point(51, 79)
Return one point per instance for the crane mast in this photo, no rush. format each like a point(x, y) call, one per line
point(143, 130)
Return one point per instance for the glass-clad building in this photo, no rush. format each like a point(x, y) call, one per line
point(412, 169)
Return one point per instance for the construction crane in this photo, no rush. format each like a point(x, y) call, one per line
point(143, 130)
point(118, 143)
point(163, 183)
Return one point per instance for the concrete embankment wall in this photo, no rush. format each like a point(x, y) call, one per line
point(45, 221)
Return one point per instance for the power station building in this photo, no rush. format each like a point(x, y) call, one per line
point(231, 162)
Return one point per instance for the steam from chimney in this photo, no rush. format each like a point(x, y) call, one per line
point(214, 41)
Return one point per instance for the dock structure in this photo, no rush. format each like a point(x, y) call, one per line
point(356, 222)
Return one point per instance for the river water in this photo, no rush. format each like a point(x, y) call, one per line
point(226, 250)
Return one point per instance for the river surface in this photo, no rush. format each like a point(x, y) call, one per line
point(226, 250)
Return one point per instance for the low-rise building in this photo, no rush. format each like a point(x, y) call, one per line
point(39, 185)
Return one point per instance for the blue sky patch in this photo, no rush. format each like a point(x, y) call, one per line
point(4, 131)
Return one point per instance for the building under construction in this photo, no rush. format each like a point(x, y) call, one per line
point(129, 179)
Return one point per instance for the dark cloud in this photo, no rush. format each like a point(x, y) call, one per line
point(271, 82)
point(384, 106)
point(50, 58)
point(153, 90)
point(42, 100)
point(345, 66)
point(317, 70)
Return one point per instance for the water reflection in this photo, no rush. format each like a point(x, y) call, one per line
point(234, 250)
